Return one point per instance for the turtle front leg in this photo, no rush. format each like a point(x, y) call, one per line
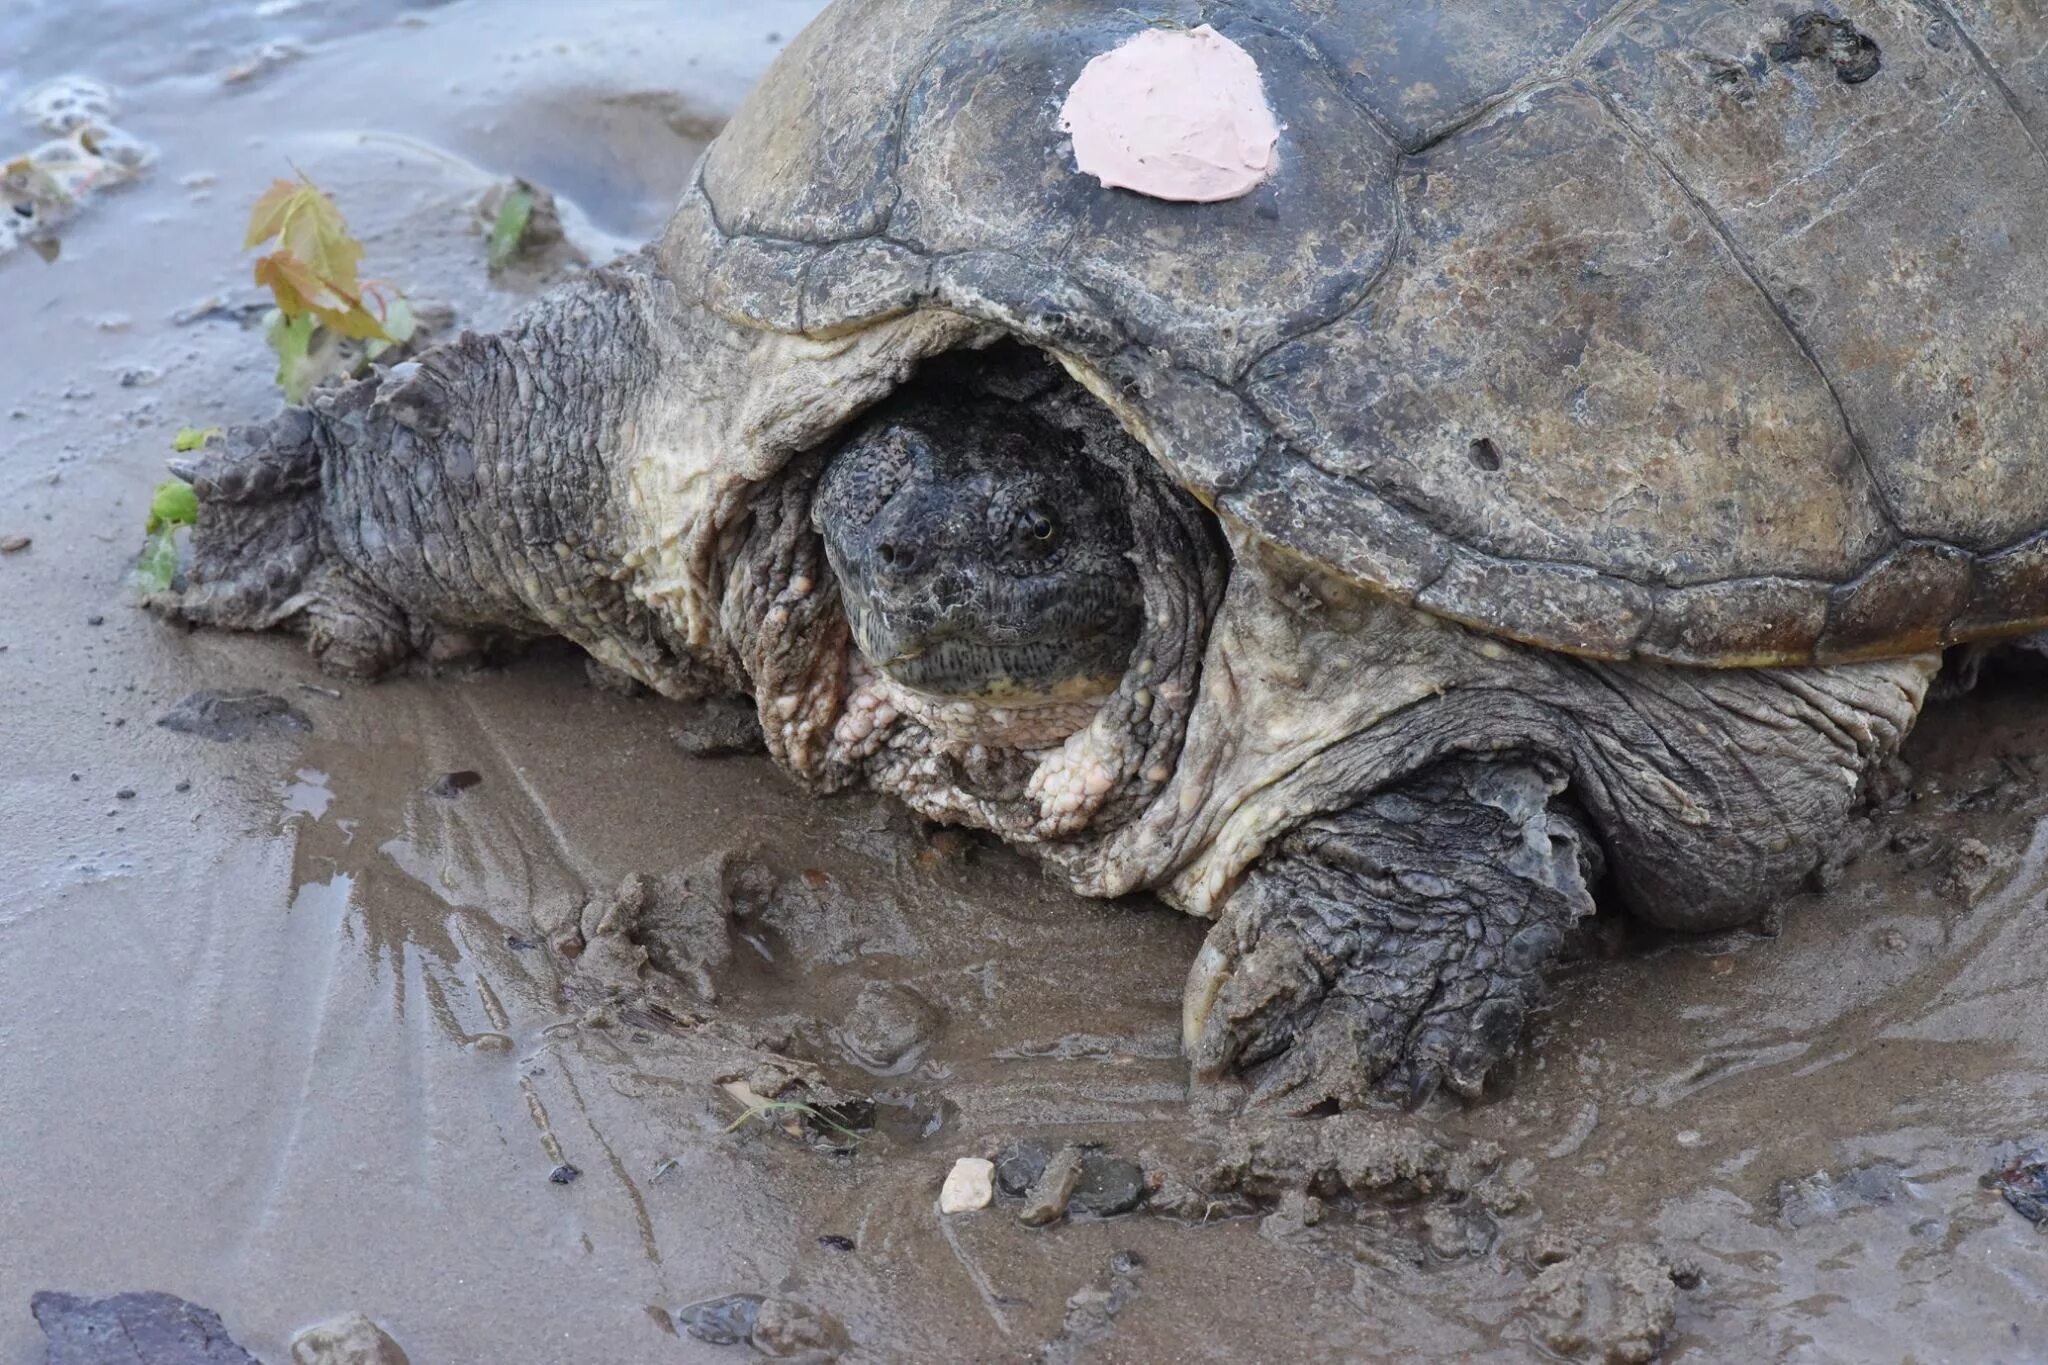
point(475, 493)
point(1396, 945)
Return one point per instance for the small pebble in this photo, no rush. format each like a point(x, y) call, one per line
point(14, 545)
point(563, 1174)
point(183, 787)
point(832, 1241)
point(95, 620)
point(1047, 1201)
point(125, 794)
point(970, 1185)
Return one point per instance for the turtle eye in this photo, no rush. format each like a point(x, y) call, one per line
point(1033, 532)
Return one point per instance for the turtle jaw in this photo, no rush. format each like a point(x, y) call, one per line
point(956, 663)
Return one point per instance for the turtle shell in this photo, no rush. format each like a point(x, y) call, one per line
point(1694, 330)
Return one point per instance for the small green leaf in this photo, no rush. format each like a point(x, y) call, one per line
point(513, 217)
point(192, 438)
point(292, 339)
point(399, 325)
point(174, 504)
point(159, 561)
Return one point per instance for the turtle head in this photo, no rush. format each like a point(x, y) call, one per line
point(981, 553)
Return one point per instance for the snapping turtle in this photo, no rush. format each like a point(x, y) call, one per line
point(1559, 467)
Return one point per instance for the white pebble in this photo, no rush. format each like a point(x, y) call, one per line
point(970, 1185)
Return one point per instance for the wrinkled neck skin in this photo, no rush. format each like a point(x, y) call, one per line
point(1050, 773)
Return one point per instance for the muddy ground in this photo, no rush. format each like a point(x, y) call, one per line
point(287, 1026)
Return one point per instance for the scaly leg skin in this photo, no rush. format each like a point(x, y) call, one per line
point(467, 496)
point(1397, 945)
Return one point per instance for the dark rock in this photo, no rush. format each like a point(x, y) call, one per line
point(1018, 1167)
point(717, 727)
point(563, 1174)
point(234, 715)
point(451, 785)
point(133, 1329)
point(1109, 1185)
point(95, 620)
point(832, 1241)
point(125, 794)
point(722, 1322)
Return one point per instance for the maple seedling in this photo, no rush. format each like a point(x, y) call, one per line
point(314, 274)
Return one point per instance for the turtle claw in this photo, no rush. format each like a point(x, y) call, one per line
point(1394, 950)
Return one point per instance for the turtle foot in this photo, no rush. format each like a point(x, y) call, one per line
point(1396, 947)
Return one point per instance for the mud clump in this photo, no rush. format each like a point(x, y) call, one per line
point(787, 1330)
point(726, 1321)
point(677, 924)
point(1092, 1309)
point(226, 717)
point(1616, 1307)
point(1824, 1195)
point(1361, 1156)
point(888, 1027)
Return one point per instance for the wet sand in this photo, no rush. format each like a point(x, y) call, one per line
point(289, 1041)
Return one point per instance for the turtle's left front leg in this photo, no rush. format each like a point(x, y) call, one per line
point(1398, 944)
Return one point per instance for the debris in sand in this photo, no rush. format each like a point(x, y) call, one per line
point(1825, 1194)
point(351, 1339)
point(158, 1328)
point(2023, 1179)
point(262, 62)
point(784, 1328)
point(522, 227)
point(970, 1186)
point(46, 186)
point(448, 786)
point(725, 1321)
point(564, 1174)
point(14, 545)
point(228, 716)
point(717, 727)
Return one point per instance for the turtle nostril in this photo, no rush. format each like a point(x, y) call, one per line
point(901, 558)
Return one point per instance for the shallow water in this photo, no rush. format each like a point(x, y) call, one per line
point(285, 1042)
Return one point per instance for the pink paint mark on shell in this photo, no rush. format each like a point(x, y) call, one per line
point(1176, 114)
